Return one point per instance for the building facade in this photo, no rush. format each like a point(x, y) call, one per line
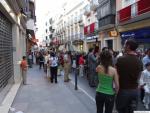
point(69, 26)
point(49, 31)
point(106, 15)
point(12, 43)
point(31, 27)
point(103, 23)
point(73, 24)
point(91, 24)
point(133, 21)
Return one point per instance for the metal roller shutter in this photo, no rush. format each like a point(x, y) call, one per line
point(6, 53)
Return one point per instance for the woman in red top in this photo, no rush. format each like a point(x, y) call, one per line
point(81, 65)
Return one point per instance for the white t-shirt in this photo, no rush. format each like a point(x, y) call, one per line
point(54, 61)
point(30, 56)
point(145, 79)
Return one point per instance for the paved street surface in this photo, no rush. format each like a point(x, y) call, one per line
point(40, 96)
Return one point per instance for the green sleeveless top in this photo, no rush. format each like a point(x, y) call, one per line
point(105, 84)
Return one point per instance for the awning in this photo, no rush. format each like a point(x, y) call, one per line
point(140, 35)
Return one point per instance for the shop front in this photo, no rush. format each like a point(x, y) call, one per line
point(91, 36)
point(142, 36)
point(78, 45)
point(109, 38)
point(93, 42)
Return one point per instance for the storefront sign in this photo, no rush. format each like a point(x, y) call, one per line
point(113, 33)
point(140, 35)
point(92, 37)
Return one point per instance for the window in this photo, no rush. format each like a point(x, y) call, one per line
point(50, 28)
point(134, 10)
point(100, 1)
point(46, 30)
point(46, 37)
point(50, 21)
point(104, 10)
point(126, 3)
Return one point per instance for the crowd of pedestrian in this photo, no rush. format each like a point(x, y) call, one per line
point(122, 79)
point(119, 77)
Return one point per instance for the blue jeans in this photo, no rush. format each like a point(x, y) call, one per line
point(127, 100)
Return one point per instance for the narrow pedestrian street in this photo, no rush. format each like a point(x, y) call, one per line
point(41, 96)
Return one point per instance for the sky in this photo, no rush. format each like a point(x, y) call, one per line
point(43, 7)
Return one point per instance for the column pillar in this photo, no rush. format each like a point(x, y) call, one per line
point(16, 53)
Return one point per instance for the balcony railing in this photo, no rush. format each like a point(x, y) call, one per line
point(108, 20)
point(68, 23)
point(134, 10)
point(75, 20)
point(23, 22)
point(14, 6)
point(87, 10)
point(79, 19)
point(94, 4)
point(22, 3)
point(143, 6)
point(71, 22)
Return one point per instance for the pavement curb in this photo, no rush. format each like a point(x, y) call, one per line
point(7, 102)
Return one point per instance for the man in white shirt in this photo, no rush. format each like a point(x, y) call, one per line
point(53, 60)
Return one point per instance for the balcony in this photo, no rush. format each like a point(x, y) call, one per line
point(75, 20)
point(81, 36)
point(22, 3)
point(135, 12)
point(76, 36)
point(32, 1)
point(14, 5)
point(68, 23)
point(107, 22)
point(50, 36)
point(87, 10)
point(23, 22)
point(94, 4)
point(71, 22)
point(80, 19)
